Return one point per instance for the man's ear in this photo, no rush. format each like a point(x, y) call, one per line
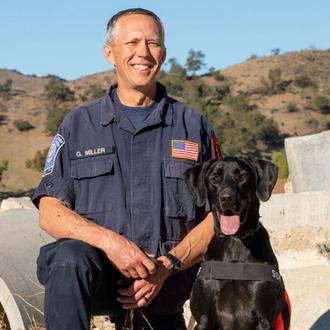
point(195, 181)
point(108, 54)
point(265, 176)
point(164, 55)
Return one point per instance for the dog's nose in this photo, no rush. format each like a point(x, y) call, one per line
point(226, 198)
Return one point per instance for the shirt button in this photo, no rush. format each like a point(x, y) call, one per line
point(136, 212)
point(49, 184)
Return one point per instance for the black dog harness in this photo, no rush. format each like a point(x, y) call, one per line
point(220, 270)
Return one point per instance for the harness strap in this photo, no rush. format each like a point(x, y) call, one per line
point(220, 270)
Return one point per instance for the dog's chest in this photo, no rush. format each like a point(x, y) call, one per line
point(228, 249)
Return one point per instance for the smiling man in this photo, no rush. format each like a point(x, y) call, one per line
point(112, 192)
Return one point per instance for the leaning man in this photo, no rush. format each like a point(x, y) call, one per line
point(112, 192)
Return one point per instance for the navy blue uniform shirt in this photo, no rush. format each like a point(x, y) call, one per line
point(130, 180)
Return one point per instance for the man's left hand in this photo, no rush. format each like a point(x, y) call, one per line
point(143, 291)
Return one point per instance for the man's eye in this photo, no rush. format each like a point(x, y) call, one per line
point(153, 43)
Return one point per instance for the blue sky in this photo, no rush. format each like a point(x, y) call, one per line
point(65, 37)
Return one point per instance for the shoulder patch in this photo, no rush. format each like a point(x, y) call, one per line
point(57, 144)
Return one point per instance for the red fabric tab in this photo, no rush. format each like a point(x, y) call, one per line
point(279, 324)
point(216, 151)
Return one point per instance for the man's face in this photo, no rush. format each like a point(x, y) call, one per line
point(137, 52)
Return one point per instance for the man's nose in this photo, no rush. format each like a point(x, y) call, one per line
point(143, 49)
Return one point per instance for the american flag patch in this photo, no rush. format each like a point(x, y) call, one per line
point(185, 149)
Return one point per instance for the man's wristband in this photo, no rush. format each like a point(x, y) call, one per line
point(175, 263)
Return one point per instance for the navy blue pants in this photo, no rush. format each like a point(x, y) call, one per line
point(79, 282)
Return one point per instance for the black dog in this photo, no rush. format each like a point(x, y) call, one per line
point(238, 287)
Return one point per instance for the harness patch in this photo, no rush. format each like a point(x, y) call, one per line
point(57, 144)
point(185, 149)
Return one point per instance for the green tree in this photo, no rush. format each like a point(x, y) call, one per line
point(57, 92)
point(54, 118)
point(195, 61)
point(279, 159)
point(38, 161)
point(176, 69)
point(275, 51)
point(271, 85)
point(321, 104)
point(5, 89)
point(94, 91)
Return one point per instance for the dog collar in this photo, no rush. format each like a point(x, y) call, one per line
point(219, 270)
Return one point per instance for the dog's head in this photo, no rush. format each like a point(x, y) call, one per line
point(233, 186)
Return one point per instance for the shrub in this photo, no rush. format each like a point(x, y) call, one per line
point(270, 85)
point(217, 75)
point(5, 89)
point(237, 103)
point(54, 118)
point(292, 107)
point(303, 81)
point(279, 159)
point(23, 125)
point(3, 167)
point(321, 104)
point(3, 119)
point(312, 123)
point(253, 57)
point(57, 92)
point(327, 125)
point(94, 91)
point(3, 108)
point(38, 161)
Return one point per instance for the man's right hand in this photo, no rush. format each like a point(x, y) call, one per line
point(130, 260)
point(59, 221)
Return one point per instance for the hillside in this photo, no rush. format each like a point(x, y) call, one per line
point(288, 103)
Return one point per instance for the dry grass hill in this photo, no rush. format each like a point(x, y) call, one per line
point(291, 104)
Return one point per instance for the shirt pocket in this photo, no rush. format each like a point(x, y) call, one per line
point(92, 178)
point(178, 201)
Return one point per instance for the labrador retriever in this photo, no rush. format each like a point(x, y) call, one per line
point(239, 286)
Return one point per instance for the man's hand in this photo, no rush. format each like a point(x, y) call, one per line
point(143, 291)
point(128, 257)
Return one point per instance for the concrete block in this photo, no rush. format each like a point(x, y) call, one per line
point(21, 295)
point(308, 159)
point(285, 211)
point(17, 203)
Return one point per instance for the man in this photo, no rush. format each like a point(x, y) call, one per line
point(112, 192)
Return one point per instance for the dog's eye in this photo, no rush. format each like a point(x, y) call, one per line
point(216, 179)
point(243, 177)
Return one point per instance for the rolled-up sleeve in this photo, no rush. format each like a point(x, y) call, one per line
point(56, 180)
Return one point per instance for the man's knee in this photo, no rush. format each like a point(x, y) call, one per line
point(67, 253)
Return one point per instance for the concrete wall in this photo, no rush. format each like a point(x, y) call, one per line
point(309, 162)
point(284, 211)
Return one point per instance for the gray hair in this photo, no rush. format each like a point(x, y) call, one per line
point(112, 26)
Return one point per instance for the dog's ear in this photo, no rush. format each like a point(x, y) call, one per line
point(266, 176)
point(195, 181)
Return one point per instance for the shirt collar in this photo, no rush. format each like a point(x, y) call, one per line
point(109, 112)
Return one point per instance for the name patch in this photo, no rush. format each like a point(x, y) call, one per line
point(57, 144)
point(91, 152)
